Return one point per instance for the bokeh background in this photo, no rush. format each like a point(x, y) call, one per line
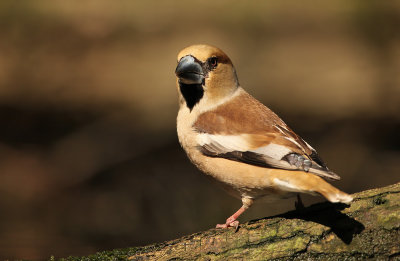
point(89, 158)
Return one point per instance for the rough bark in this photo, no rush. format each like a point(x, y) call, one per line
point(367, 229)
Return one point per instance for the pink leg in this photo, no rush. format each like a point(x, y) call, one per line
point(231, 221)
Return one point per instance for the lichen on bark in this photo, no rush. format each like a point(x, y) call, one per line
point(369, 228)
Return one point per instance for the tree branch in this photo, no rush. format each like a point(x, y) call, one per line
point(368, 228)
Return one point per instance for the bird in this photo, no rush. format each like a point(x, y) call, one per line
point(237, 141)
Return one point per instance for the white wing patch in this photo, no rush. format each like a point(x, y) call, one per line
point(226, 143)
point(273, 150)
point(229, 143)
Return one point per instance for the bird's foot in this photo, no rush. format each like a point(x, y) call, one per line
point(234, 224)
point(229, 223)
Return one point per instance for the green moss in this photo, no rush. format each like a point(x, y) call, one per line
point(359, 205)
point(266, 251)
point(389, 220)
point(262, 234)
point(282, 248)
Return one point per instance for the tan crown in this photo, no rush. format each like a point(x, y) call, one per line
point(202, 52)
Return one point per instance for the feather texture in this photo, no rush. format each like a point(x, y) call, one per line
point(258, 137)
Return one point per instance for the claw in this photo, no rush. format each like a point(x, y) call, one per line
point(221, 226)
point(234, 224)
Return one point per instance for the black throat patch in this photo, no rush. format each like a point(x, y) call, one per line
point(192, 94)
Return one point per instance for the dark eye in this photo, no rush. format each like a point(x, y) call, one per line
point(213, 62)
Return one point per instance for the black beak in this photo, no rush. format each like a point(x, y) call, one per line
point(189, 71)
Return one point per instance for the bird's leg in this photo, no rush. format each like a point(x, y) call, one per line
point(299, 203)
point(231, 221)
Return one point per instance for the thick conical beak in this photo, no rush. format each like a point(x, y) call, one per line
point(189, 71)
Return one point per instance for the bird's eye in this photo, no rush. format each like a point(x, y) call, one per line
point(213, 62)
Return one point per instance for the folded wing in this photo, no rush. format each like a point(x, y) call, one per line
point(271, 155)
point(257, 137)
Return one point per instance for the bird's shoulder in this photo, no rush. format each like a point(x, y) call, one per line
point(240, 114)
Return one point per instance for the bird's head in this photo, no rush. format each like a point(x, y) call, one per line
point(204, 72)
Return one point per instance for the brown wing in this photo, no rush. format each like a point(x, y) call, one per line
point(245, 130)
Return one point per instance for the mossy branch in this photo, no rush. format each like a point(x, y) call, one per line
point(367, 229)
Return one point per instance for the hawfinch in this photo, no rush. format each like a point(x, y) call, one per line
point(239, 142)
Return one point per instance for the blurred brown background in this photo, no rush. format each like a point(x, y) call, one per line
point(89, 158)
